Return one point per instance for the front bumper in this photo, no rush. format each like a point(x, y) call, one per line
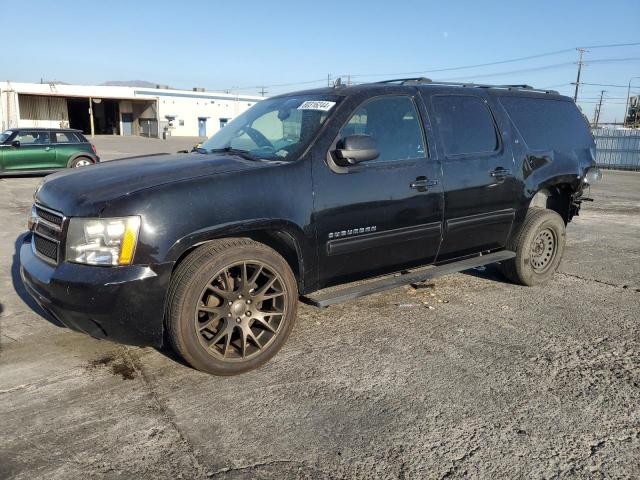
point(122, 304)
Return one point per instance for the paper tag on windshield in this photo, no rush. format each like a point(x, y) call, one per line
point(321, 105)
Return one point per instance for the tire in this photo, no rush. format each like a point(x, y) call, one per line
point(539, 246)
point(231, 306)
point(80, 162)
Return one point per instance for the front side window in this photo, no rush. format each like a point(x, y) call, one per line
point(465, 125)
point(32, 138)
point(394, 125)
point(274, 129)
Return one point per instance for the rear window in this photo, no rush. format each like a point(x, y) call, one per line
point(465, 125)
point(548, 124)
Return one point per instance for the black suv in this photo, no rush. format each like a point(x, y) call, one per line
point(211, 250)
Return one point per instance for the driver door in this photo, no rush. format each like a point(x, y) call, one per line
point(381, 215)
point(34, 153)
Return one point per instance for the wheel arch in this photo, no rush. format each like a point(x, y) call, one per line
point(286, 239)
point(557, 196)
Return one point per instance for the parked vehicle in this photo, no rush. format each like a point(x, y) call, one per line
point(209, 251)
point(43, 150)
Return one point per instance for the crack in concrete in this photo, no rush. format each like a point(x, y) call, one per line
point(250, 467)
point(595, 280)
point(165, 411)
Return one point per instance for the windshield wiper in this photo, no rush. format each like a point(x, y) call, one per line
point(235, 151)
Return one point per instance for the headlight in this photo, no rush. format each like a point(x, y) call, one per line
point(593, 175)
point(102, 241)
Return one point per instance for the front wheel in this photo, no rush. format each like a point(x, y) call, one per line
point(231, 306)
point(539, 246)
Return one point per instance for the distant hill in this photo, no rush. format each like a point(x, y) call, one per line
point(130, 83)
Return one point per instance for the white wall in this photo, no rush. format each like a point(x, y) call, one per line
point(188, 110)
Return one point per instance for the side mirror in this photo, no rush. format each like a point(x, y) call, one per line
point(357, 148)
point(15, 143)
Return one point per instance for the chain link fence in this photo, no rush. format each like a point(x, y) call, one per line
point(617, 149)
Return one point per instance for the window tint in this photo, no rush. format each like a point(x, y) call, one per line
point(465, 124)
point(548, 124)
point(65, 137)
point(393, 123)
point(32, 138)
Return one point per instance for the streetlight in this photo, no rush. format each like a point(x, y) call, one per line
point(626, 112)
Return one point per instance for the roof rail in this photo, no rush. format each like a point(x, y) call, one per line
point(423, 80)
point(404, 81)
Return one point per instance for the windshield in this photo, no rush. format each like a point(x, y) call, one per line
point(274, 129)
point(4, 136)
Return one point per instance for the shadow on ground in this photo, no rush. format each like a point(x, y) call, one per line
point(489, 272)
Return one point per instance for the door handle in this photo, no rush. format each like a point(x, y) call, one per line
point(422, 184)
point(501, 173)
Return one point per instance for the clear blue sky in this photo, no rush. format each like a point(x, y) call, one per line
point(222, 45)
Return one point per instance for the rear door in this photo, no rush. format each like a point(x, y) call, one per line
point(34, 153)
point(480, 189)
point(380, 215)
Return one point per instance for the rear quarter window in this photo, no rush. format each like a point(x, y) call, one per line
point(67, 137)
point(548, 124)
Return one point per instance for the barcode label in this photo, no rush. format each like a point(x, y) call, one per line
point(321, 105)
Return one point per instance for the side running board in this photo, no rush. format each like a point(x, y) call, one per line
point(386, 283)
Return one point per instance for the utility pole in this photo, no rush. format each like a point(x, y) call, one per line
point(627, 106)
point(262, 91)
point(580, 63)
point(328, 79)
point(348, 80)
point(596, 114)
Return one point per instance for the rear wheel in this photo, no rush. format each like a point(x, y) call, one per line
point(539, 246)
point(80, 162)
point(232, 304)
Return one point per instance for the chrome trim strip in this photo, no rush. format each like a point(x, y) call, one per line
point(53, 226)
point(47, 237)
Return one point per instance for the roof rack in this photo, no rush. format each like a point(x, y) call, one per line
point(423, 80)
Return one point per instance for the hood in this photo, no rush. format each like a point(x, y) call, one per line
point(85, 190)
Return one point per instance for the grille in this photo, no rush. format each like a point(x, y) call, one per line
point(47, 233)
point(46, 247)
point(49, 216)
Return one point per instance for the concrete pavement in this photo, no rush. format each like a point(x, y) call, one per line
point(494, 380)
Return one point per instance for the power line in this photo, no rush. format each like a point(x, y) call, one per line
point(499, 62)
point(604, 85)
point(522, 70)
point(464, 67)
point(613, 45)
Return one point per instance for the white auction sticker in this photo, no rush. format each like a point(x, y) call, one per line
point(321, 105)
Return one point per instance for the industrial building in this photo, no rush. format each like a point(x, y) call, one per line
point(117, 110)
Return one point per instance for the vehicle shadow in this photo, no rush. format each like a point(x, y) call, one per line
point(488, 272)
point(21, 290)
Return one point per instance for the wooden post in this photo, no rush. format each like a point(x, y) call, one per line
point(91, 117)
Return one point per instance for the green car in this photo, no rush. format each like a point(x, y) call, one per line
point(42, 150)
